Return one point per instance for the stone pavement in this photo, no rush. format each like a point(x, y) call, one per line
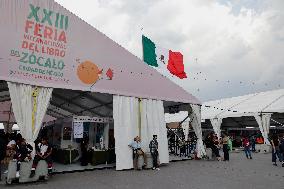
point(239, 173)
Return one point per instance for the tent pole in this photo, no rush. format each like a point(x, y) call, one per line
point(8, 124)
point(139, 116)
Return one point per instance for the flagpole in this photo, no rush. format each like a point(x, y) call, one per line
point(142, 43)
point(139, 99)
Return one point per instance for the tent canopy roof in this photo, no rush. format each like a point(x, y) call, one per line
point(131, 76)
point(247, 105)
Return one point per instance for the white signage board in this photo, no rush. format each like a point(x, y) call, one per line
point(78, 129)
point(92, 119)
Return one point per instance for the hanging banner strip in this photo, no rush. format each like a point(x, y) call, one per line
point(34, 95)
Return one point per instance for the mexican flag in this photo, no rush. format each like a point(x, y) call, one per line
point(163, 59)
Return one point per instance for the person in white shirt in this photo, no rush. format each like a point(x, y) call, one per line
point(137, 151)
point(43, 152)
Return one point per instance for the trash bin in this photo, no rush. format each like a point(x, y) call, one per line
point(149, 160)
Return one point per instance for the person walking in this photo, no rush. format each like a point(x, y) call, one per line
point(225, 141)
point(253, 141)
point(154, 152)
point(246, 145)
point(275, 142)
point(281, 149)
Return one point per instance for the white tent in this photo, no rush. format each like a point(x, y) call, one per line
point(261, 106)
point(105, 79)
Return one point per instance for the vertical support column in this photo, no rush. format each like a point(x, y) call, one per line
point(139, 116)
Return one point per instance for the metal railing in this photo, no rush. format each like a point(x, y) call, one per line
point(182, 148)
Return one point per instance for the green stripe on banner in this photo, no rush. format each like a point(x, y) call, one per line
point(149, 55)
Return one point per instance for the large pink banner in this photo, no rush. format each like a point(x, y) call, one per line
point(44, 44)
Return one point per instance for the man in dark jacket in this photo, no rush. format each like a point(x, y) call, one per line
point(281, 149)
point(154, 152)
point(23, 154)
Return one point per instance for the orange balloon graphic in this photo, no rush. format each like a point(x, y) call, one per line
point(88, 72)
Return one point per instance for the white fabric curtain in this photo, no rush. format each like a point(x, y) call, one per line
point(22, 103)
point(21, 97)
point(106, 135)
point(263, 121)
point(43, 100)
point(216, 123)
point(125, 115)
point(153, 123)
point(185, 127)
point(196, 124)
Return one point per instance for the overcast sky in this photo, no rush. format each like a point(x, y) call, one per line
point(230, 47)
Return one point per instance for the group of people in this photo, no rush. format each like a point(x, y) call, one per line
point(137, 150)
point(214, 143)
point(248, 143)
point(225, 143)
point(15, 148)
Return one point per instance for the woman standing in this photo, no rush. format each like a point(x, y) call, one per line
point(225, 147)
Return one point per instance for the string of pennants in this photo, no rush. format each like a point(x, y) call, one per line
point(229, 110)
point(277, 122)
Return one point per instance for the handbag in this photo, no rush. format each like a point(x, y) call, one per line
point(139, 152)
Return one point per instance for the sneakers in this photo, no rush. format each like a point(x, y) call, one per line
point(17, 174)
point(154, 168)
point(282, 164)
point(275, 164)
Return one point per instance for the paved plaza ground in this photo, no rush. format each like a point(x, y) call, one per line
point(239, 173)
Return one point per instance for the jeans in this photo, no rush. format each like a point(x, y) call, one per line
point(253, 147)
point(38, 158)
point(155, 158)
point(247, 152)
point(226, 151)
point(276, 154)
